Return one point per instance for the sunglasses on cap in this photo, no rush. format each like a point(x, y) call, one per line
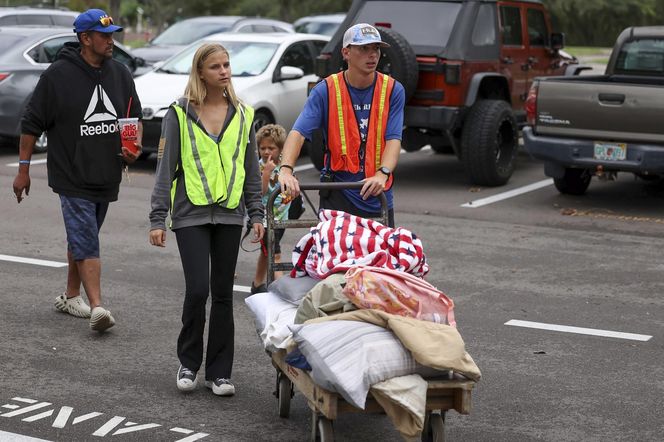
point(106, 21)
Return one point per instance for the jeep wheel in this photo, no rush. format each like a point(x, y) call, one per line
point(575, 181)
point(398, 61)
point(489, 142)
point(262, 118)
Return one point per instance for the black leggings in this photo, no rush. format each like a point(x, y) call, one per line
point(203, 248)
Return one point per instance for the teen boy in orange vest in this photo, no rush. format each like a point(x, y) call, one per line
point(361, 114)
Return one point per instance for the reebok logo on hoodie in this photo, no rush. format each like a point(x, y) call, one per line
point(100, 109)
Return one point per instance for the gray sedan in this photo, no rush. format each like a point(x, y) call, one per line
point(185, 32)
point(26, 52)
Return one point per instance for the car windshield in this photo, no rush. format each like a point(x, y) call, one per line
point(641, 56)
point(429, 29)
point(247, 58)
point(312, 27)
point(186, 32)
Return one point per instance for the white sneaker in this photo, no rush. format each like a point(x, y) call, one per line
point(75, 306)
point(186, 379)
point(221, 387)
point(101, 319)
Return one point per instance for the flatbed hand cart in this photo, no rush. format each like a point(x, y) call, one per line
point(442, 394)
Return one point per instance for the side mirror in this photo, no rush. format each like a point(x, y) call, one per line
point(132, 65)
point(289, 73)
point(557, 41)
point(140, 62)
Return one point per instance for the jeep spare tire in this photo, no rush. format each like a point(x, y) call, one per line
point(398, 61)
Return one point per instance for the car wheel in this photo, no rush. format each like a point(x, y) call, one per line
point(489, 142)
point(574, 182)
point(262, 118)
point(398, 61)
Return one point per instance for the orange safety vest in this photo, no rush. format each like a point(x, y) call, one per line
point(343, 132)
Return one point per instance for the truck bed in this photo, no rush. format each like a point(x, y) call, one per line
point(601, 107)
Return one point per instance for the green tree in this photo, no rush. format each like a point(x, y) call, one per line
point(598, 22)
point(287, 10)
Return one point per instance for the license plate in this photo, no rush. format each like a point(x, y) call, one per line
point(610, 151)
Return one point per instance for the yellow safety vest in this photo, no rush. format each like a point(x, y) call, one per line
point(214, 172)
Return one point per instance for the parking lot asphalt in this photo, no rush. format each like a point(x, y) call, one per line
point(590, 262)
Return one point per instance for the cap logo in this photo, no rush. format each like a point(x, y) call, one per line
point(367, 31)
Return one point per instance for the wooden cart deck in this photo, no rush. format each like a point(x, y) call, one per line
point(326, 406)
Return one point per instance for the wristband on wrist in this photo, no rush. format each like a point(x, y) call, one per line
point(23, 161)
point(288, 166)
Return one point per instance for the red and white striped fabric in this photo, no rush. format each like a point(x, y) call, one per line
point(341, 241)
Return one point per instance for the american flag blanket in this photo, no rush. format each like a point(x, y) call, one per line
point(341, 241)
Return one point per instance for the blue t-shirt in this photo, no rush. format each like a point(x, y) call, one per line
point(314, 116)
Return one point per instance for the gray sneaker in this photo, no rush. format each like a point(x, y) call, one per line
point(101, 319)
point(221, 387)
point(75, 306)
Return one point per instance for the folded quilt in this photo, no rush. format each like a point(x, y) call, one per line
point(404, 399)
point(324, 299)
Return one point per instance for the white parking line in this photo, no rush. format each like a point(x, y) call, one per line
point(303, 167)
point(579, 330)
point(42, 262)
point(33, 162)
point(509, 194)
point(37, 262)
point(13, 437)
point(242, 288)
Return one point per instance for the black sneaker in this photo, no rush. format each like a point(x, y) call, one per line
point(260, 289)
point(221, 387)
point(186, 379)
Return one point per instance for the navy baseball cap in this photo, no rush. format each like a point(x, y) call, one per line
point(95, 20)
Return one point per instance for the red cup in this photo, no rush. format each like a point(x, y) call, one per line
point(129, 133)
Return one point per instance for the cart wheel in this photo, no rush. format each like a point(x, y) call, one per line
point(284, 394)
point(434, 427)
point(325, 430)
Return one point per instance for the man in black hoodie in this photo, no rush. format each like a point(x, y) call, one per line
point(78, 101)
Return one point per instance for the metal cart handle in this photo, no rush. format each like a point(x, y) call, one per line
point(305, 223)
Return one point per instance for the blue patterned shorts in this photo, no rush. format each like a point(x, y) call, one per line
point(83, 219)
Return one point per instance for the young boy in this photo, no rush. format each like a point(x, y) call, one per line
point(270, 139)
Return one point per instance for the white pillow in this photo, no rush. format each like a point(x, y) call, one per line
point(276, 333)
point(262, 304)
point(350, 356)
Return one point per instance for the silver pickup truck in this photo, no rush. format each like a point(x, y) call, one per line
point(602, 124)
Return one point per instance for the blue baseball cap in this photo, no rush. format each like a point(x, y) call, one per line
point(95, 20)
point(363, 34)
